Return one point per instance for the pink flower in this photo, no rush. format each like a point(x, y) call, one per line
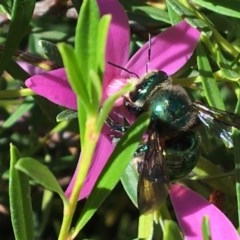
point(170, 50)
point(190, 208)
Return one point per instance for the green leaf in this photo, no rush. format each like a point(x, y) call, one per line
point(20, 201)
point(41, 174)
point(171, 231)
point(82, 119)
point(103, 27)
point(206, 231)
point(6, 5)
point(228, 8)
point(117, 163)
point(46, 207)
point(145, 226)
point(210, 88)
point(151, 12)
point(144, 14)
point(85, 38)
point(129, 181)
point(96, 89)
point(67, 114)
point(51, 50)
point(174, 17)
point(75, 77)
point(74, 73)
point(189, 16)
point(21, 15)
point(229, 74)
point(23, 108)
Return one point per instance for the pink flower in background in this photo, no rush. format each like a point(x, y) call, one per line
point(170, 50)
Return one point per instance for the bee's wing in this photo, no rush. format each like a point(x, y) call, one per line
point(153, 181)
point(151, 194)
point(218, 121)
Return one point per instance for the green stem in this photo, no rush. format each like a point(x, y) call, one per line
point(91, 138)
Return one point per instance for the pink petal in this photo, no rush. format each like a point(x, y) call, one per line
point(103, 151)
point(30, 69)
point(190, 208)
point(115, 85)
point(170, 50)
point(118, 40)
point(54, 86)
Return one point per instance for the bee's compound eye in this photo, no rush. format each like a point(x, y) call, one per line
point(162, 75)
point(181, 154)
point(148, 83)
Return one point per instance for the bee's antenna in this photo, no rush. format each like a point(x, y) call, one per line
point(149, 52)
point(124, 69)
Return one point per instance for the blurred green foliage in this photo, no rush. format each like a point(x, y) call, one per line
point(29, 123)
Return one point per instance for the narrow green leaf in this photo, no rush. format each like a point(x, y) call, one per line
point(51, 50)
point(129, 181)
point(82, 119)
point(20, 201)
point(210, 88)
point(66, 115)
point(206, 231)
point(6, 5)
point(117, 163)
point(74, 73)
point(96, 90)
point(86, 48)
point(145, 226)
point(151, 12)
point(228, 8)
point(23, 108)
point(171, 231)
point(20, 17)
point(145, 14)
point(46, 207)
point(103, 28)
point(189, 16)
point(229, 74)
point(174, 17)
point(226, 71)
point(85, 38)
point(41, 174)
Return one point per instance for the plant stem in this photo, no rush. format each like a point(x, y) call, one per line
point(87, 151)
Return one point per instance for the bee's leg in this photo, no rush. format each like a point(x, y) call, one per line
point(116, 127)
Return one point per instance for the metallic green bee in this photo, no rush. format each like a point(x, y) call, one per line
point(172, 148)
